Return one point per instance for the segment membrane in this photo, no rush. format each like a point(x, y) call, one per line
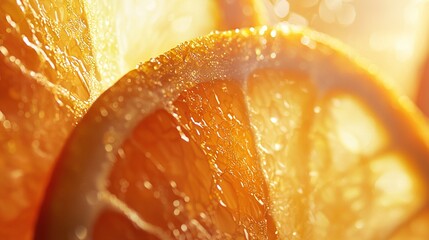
point(280, 108)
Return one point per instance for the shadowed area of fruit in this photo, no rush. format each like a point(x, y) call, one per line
point(260, 133)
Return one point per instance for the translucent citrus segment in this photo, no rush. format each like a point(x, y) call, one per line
point(36, 43)
point(193, 169)
point(330, 155)
point(27, 148)
point(272, 133)
point(56, 58)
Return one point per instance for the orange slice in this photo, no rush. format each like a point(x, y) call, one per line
point(254, 133)
point(57, 58)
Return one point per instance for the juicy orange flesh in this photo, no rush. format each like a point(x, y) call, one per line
point(30, 138)
point(195, 174)
point(34, 39)
point(200, 168)
point(36, 111)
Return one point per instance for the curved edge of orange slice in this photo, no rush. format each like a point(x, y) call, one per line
point(80, 174)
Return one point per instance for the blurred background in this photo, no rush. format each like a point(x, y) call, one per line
point(392, 35)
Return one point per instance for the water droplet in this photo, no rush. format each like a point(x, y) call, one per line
point(176, 233)
point(104, 112)
point(108, 147)
point(7, 124)
point(128, 117)
point(305, 40)
point(11, 22)
point(176, 212)
point(4, 51)
point(182, 134)
point(259, 201)
point(278, 146)
point(274, 119)
point(281, 8)
point(147, 185)
point(317, 109)
point(263, 30)
point(246, 234)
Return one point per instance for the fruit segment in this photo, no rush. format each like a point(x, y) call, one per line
point(331, 170)
point(29, 141)
point(50, 44)
point(193, 171)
